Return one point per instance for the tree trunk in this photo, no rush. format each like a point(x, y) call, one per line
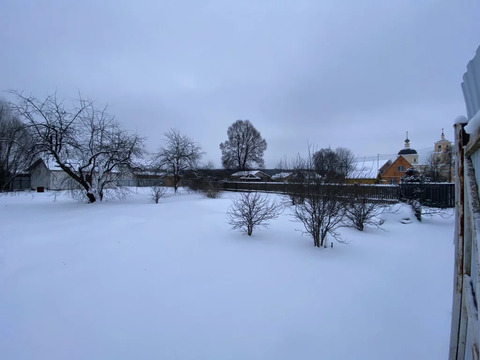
point(324, 235)
point(176, 181)
point(360, 226)
point(91, 197)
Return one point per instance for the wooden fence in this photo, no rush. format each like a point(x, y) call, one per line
point(140, 182)
point(465, 326)
point(429, 194)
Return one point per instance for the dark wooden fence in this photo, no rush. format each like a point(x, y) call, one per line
point(430, 194)
point(140, 182)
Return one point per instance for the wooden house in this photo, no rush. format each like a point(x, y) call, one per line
point(393, 171)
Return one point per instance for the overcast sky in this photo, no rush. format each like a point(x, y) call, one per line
point(356, 73)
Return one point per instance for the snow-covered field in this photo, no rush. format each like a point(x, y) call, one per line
point(131, 279)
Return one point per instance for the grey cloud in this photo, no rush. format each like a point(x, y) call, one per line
point(355, 74)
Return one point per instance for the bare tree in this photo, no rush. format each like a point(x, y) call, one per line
point(158, 192)
point(251, 210)
point(346, 161)
point(360, 210)
point(179, 154)
point(108, 151)
point(450, 163)
point(319, 207)
point(439, 166)
point(334, 166)
point(326, 164)
point(283, 164)
point(15, 146)
point(84, 141)
point(433, 170)
point(244, 147)
point(321, 212)
point(304, 173)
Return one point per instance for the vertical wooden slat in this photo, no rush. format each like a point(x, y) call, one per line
point(458, 240)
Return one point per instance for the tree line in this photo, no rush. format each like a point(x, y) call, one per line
point(94, 150)
point(319, 204)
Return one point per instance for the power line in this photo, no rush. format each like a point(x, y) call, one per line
point(386, 156)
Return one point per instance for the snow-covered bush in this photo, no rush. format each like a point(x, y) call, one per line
point(157, 193)
point(207, 186)
point(212, 190)
point(250, 210)
point(412, 190)
point(361, 211)
point(321, 212)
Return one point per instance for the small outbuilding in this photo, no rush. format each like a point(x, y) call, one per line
point(252, 175)
point(48, 175)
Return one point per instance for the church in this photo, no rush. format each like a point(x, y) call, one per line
point(438, 168)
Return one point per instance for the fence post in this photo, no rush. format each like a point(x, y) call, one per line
point(456, 332)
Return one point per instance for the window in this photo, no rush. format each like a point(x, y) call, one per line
point(439, 148)
point(400, 168)
point(392, 181)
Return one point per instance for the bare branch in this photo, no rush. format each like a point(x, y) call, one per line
point(251, 210)
point(84, 141)
point(244, 147)
point(179, 154)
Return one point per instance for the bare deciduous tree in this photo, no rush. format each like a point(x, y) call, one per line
point(439, 166)
point(346, 161)
point(179, 154)
point(244, 147)
point(321, 212)
point(251, 210)
point(158, 192)
point(334, 165)
point(360, 210)
point(433, 169)
point(319, 207)
point(15, 146)
point(84, 141)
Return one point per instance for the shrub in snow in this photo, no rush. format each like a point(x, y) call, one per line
point(360, 211)
point(212, 190)
point(413, 193)
point(157, 193)
point(207, 186)
point(250, 210)
point(417, 209)
point(321, 212)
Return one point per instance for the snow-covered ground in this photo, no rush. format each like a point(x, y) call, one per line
point(131, 279)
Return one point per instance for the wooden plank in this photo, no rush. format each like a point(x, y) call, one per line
point(471, 310)
point(455, 332)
